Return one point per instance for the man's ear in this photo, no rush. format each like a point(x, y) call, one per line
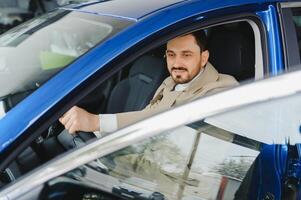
point(204, 57)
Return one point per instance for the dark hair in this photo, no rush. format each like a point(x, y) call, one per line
point(201, 39)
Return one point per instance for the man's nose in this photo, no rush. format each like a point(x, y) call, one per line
point(178, 61)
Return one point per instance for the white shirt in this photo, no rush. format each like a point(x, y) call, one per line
point(108, 122)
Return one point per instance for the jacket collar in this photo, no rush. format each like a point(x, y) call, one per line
point(208, 75)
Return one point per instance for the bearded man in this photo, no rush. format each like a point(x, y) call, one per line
point(191, 76)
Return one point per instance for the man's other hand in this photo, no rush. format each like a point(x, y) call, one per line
point(77, 119)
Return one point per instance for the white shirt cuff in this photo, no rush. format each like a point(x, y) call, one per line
point(108, 123)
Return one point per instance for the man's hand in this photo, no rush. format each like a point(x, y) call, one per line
point(77, 119)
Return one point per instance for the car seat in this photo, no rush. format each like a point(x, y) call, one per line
point(232, 50)
point(135, 92)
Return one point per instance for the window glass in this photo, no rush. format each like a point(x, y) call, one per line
point(34, 51)
point(2, 110)
point(218, 168)
point(297, 22)
point(197, 161)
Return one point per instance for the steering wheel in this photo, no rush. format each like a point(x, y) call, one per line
point(7, 176)
point(85, 136)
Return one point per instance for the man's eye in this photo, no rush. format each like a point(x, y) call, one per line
point(170, 55)
point(187, 55)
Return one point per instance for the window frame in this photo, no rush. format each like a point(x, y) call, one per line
point(291, 53)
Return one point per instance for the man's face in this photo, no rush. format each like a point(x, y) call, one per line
point(184, 58)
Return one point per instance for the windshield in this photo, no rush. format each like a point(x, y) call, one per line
point(34, 51)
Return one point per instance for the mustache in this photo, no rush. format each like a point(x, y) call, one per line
point(178, 68)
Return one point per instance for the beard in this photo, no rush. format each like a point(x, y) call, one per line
point(180, 75)
point(180, 80)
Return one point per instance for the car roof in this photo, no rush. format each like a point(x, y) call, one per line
point(129, 9)
point(134, 9)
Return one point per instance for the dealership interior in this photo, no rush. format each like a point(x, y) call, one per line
point(14, 12)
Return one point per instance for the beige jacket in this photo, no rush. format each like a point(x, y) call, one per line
point(210, 81)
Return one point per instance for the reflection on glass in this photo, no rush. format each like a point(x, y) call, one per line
point(2, 112)
point(33, 52)
point(272, 122)
point(219, 166)
point(198, 161)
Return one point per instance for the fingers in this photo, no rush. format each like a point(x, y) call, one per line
point(73, 125)
point(77, 119)
point(69, 120)
point(66, 117)
point(72, 129)
point(64, 120)
point(68, 125)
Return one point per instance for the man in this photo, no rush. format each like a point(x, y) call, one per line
point(191, 76)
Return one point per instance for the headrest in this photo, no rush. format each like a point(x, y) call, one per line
point(233, 51)
point(148, 68)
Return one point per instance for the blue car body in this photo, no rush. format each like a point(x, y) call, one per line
point(149, 20)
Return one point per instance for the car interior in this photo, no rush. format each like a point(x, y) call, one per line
point(232, 51)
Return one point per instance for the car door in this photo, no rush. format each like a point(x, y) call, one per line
point(219, 152)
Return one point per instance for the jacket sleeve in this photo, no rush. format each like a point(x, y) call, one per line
point(127, 118)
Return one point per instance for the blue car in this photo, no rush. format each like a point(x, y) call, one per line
point(108, 57)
